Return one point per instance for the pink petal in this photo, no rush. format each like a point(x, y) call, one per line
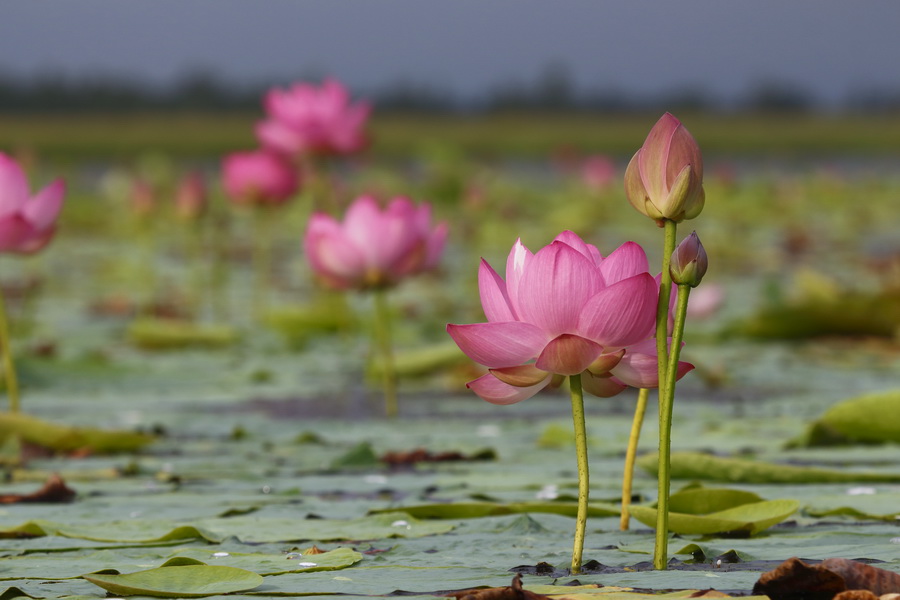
point(494, 299)
point(495, 391)
point(640, 369)
point(518, 260)
point(655, 157)
point(435, 245)
point(568, 355)
point(602, 387)
point(275, 136)
point(498, 345)
point(555, 287)
point(15, 232)
point(626, 261)
point(589, 251)
point(622, 314)
point(331, 256)
point(42, 210)
point(13, 186)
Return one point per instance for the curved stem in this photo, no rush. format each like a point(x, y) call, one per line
point(9, 367)
point(630, 455)
point(666, 406)
point(385, 346)
point(583, 472)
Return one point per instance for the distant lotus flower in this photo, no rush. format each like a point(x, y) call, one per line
point(191, 198)
point(570, 311)
point(598, 172)
point(664, 179)
point(373, 248)
point(309, 120)
point(258, 178)
point(27, 223)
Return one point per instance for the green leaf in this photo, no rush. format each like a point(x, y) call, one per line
point(64, 438)
point(747, 519)
point(171, 334)
point(277, 564)
point(881, 506)
point(470, 510)
point(189, 581)
point(869, 419)
point(361, 455)
point(696, 465)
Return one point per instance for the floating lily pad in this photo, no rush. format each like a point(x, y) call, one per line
point(699, 466)
point(65, 438)
point(869, 419)
point(173, 334)
point(179, 581)
point(471, 510)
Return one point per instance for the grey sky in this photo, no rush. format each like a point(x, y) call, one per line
point(828, 47)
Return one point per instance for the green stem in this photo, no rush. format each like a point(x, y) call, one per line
point(583, 472)
point(630, 455)
point(662, 307)
point(385, 346)
point(666, 405)
point(9, 367)
point(262, 258)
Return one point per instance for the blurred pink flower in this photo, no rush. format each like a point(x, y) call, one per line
point(373, 248)
point(598, 172)
point(27, 223)
point(572, 312)
point(191, 197)
point(705, 301)
point(143, 197)
point(306, 120)
point(258, 177)
point(664, 179)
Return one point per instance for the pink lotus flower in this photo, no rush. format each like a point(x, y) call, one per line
point(664, 179)
point(27, 223)
point(572, 312)
point(305, 120)
point(258, 177)
point(191, 198)
point(372, 248)
point(598, 172)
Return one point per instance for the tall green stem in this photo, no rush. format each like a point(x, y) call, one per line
point(385, 346)
point(666, 405)
point(583, 472)
point(662, 307)
point(9, 367)
point(631, 454)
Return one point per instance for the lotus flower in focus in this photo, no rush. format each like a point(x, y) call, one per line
point(664, 179)
point(309, 120)
point(27, 223)
point(258, 177)
point(565, 310)
point(373, 248)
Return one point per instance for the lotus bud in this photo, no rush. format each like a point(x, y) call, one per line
point(689, 262)
point(664, 179)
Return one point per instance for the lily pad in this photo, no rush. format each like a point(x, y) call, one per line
point(868, 419)
point(699, 466)
point(65, 438)
point(471, 510)
point(747, 519)
point(172, 334)
point(181, 581)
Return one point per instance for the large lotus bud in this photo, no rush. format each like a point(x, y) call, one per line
point(664, 179)
point(689, 262)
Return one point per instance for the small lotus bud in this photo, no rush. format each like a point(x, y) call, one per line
point(664, 179)
point(689, 262)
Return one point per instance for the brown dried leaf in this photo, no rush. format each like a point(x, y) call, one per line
point(856, 595)
point(795, 580)
point(55, 490)
point(510, 592)
point(411, 457)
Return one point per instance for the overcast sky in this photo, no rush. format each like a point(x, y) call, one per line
point(642, 47)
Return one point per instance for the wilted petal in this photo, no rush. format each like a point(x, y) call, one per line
point(521, 376)
point(568, 355)
point(626, 261)
point(496, 345)
point(495, 391)
point(555, 287)
point(621, 314)
point(600, 386)
point(494, 298)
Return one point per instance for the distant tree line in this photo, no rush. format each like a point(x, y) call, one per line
point(553, 90)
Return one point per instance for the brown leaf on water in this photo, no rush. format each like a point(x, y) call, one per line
point(856, 595)
point(510, 592)
point(795, 580)
point(54, 491)
point(411, 457)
